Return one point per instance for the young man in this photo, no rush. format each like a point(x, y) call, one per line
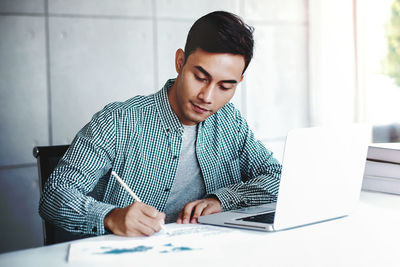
point(185, 151)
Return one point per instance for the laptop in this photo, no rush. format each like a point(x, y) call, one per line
point(321, 179)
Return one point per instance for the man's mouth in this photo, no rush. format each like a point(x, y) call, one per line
point(199, 109)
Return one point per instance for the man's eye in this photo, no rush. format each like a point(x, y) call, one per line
point(225, 88)
point(200, 79)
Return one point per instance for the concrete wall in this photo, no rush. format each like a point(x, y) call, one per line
point(63, 60)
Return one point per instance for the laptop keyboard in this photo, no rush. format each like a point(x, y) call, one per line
point(262, 218)
point(254, 209)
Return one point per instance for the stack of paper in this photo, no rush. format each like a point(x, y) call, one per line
point(382, 168)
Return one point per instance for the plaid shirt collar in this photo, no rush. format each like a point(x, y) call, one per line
point(168, 117)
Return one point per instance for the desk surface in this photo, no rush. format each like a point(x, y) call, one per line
point(370, 236)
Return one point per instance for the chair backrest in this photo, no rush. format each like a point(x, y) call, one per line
point(47, 159)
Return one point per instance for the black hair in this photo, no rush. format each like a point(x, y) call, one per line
point(221, 32)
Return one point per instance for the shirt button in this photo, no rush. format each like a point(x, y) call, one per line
point(175, 157)
point(166, 190)
point(94, 229)
point(76, 228)
point(230, 202)
point(167, 130)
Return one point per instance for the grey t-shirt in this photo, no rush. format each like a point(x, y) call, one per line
point(188, 184)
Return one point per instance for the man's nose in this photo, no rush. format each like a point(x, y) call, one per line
point(206, 93)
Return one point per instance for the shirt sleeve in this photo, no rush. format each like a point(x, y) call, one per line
point(260, 173)
point(65, 201)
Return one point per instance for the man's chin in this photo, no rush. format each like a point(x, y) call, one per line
point(196, 119)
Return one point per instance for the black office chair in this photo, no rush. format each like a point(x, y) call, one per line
point(47, 159)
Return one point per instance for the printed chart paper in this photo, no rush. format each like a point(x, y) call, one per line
point(182, 239)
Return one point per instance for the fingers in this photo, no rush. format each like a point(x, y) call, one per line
point(150, 220)
point(215, 206)
point(198, 211)
point(151, 224)
point(180, 219)
point(193, 210)
point(135, 220)
point(209, 210)
point(148, 210)
point(186, 213)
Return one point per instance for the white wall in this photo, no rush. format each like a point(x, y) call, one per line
point(63, 60)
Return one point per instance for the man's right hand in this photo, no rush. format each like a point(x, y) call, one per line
point(137, 219)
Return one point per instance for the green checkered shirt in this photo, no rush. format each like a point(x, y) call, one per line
point(140, 139)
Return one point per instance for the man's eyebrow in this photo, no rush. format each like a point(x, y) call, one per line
point(229, 81)
point(203, 71)
point(209, 76)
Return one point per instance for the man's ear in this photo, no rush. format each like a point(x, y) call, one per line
point(179, 60)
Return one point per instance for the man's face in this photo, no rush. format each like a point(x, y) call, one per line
point(205, 83)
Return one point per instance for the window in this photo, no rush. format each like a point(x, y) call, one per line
point(378, 64)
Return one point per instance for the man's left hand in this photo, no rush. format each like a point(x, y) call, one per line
point(201, 207)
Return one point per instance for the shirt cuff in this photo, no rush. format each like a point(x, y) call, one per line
point(229, 199)
point(95, 220)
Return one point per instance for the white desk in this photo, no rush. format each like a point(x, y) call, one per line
point(368, 237)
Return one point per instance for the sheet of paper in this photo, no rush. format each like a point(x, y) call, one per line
point(188, 239)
